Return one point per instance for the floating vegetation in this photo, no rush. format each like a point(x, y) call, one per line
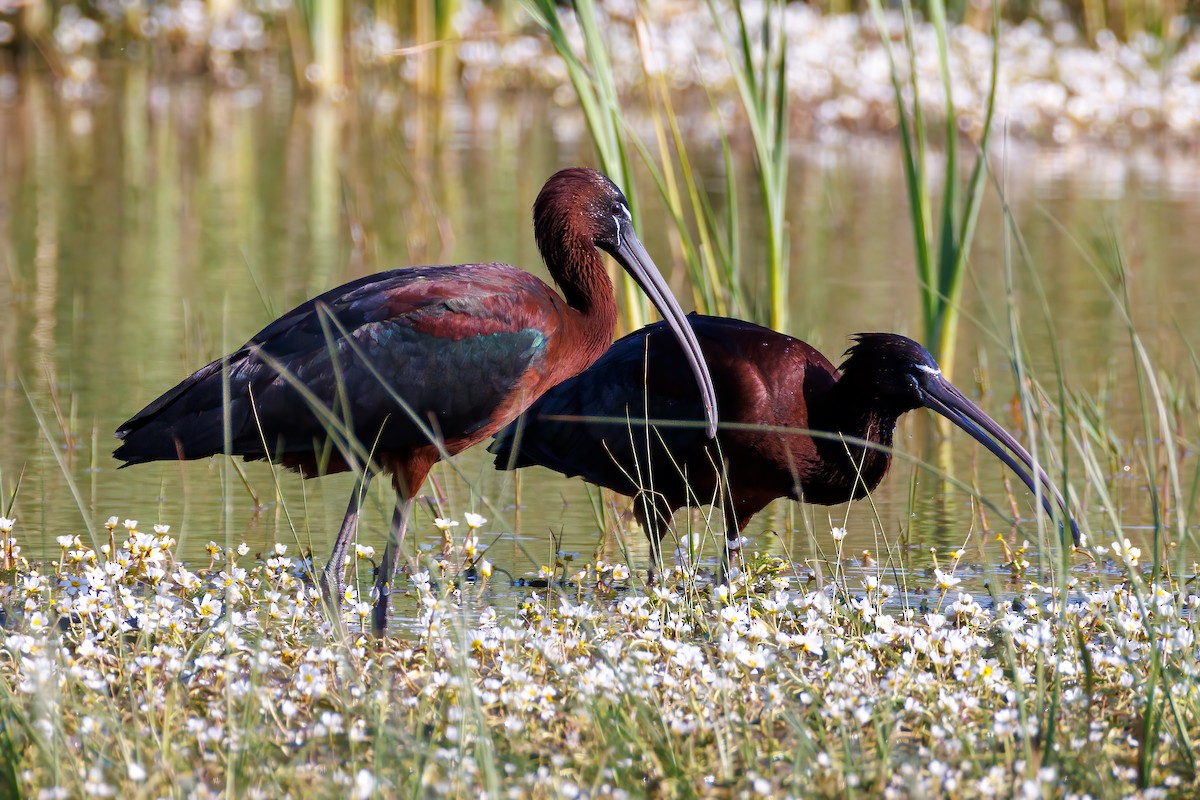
point(123, 667)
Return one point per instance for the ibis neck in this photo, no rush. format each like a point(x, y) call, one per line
point(581, 277)
point(852, 468)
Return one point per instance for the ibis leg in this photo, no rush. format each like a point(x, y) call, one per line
point(653, 515)
point(333, 576)
point(731, 556)
point(387, 566)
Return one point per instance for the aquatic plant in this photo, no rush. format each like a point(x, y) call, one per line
point(755, 51)
point(758, 60)
point(126, 669)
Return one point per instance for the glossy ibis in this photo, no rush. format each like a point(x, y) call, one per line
point(396, 370)
point(589, 425)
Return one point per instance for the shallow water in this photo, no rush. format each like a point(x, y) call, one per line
point(145, 235)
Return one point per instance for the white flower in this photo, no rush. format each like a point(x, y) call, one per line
point(444, 524)
point(137, 773)
point(1125, 551)
point(421, 580)
point(242, 549)
point(485, 568)
point(945, 580)
point(364, 784)
point(474, 520)
point(838, 534)
point(159, 529)
point(310, 680)
point(95, 786)
point(1005, 721)
point(812, 643)
point(364, 551)
point(130, 524)
point(186, 580)
point(620, 572)
point(736, 543)
point(207, 607)
point(689, 547)
point(756, 659)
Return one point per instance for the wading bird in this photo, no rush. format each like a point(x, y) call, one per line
point(397, 370)
point(601, 424)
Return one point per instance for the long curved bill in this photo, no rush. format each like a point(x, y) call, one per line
point(632, 255)
point(942, 397)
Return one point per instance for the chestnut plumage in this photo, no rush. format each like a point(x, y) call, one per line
point(394, 371)
point(618, 424)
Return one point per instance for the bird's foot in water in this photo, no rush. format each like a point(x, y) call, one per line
point(733, 563)
point(379, 612)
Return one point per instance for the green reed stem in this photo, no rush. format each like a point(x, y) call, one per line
point(760, 72)
point(327, 38)
point(596, 88)
point(710, 247)
point(941, 252)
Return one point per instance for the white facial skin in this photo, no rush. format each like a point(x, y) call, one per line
point(617, 219)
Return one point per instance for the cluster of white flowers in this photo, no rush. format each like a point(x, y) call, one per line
point(1053, 85)
point(112, 650)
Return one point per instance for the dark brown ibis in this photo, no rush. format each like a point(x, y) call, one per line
point(595, 424)
point(397, 370)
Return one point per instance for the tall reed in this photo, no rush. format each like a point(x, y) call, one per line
point(595, 85)
point(328, 43)
point(1159, 448)
point(941, 236)
point(761, 75)
point(710, 245)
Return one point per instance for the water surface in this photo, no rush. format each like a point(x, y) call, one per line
point(143, 236)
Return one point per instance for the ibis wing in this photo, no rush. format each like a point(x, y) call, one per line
point(389, 359)
point(612, 423)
